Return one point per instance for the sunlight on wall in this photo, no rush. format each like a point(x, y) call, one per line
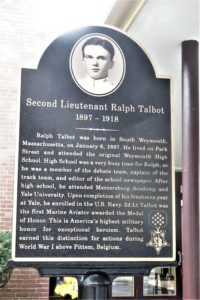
point(61, 15)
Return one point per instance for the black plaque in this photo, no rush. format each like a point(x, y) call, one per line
point(95, 180)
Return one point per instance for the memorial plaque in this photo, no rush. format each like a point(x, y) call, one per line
point(94, 178)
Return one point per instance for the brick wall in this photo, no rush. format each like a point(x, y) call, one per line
point(25, 32)
point(25, 284)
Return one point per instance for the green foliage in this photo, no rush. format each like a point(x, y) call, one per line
point(5, 250)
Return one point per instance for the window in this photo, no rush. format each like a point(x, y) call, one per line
point(63, 288)
point(123, 287)
point(160, 282)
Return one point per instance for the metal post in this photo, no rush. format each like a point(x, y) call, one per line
point(95, 286)
point(190, 216)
